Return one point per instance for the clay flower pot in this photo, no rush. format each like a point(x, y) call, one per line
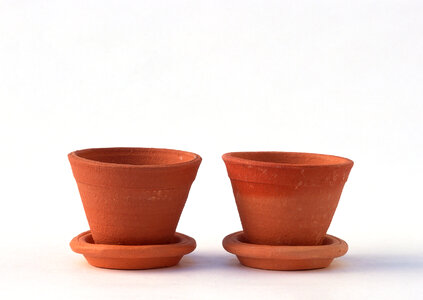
point(133, 196)
point(286, 198)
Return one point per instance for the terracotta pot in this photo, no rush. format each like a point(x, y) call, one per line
point(286, 198)
point(133, 196)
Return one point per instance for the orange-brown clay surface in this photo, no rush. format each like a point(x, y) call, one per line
point(133, 196)
point(285, 257)
point(127, 257)
point(286, 198)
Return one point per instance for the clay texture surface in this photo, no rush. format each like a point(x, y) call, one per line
point(133, 196)
point(286, 198)
point(127, 257)
point(285, 258)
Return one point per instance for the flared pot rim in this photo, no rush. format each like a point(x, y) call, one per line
point(192, 158)
point(282, 159)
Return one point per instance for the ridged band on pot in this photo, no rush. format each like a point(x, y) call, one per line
point(133, 196)
point(286, 198)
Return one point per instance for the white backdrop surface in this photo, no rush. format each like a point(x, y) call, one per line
point(334, 77)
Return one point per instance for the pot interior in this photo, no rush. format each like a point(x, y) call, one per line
point(137, 156)
point(291, 158)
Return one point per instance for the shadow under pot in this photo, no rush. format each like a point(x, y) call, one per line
point(133, 196)
point(286, 198)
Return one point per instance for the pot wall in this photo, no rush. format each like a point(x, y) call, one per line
point(133, 204)
point(286, 203)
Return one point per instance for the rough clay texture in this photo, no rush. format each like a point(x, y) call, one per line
point(127, 257)
point(285, 258)
point(133, 196)
point(286, 198)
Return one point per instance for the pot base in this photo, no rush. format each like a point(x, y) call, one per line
point(132, 257)
point(284, 258)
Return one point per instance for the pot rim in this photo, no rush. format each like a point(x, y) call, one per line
point(75, 155)
point(339, 161)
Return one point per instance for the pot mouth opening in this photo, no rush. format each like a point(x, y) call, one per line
point(291, 159)
point(136, 157)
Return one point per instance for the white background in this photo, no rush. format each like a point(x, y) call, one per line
point(334, 77)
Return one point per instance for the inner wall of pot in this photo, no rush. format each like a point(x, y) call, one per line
point(292, 158)
point(136, 156)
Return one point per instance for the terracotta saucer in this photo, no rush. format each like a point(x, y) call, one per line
point(132, 257)
point(284, 257)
